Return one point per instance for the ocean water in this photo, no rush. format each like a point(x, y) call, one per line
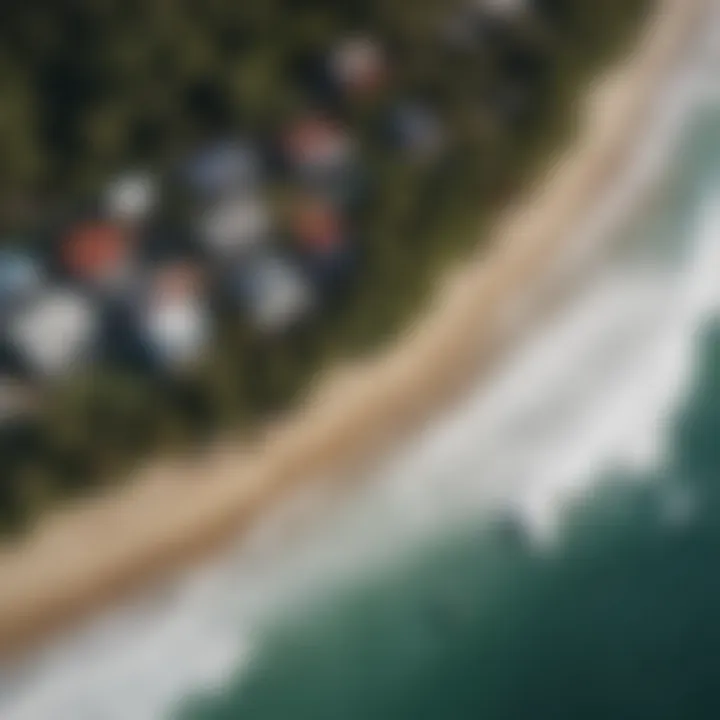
point(548, 550)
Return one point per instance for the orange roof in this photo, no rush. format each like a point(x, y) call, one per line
point(95, 249)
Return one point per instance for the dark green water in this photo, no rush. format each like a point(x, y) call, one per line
point(622, 620)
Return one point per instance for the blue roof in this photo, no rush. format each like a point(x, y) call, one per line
point(224, 165)
point(20, 273)
point(416, 127)
point(272, 288)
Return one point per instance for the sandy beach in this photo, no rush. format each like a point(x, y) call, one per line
point(94, 551)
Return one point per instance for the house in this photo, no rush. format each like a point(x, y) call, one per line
point(174, 319)
point(417, 131)
point(323, 155)
point(99, 254)
point(20, 277)
point(56, 332)
point(224, 167)
point(319, 234)
point(131, 198)
point(273, 291)
point(316, 225)
point(358, 65)
point(235, 224)
point(318, 143)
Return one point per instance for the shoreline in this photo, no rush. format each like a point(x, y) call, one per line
point(95, 551)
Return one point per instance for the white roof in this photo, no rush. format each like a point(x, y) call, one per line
point(131, 197)
point(240, 222)
point(179, 331)
point(55, 332)
point(279, 294)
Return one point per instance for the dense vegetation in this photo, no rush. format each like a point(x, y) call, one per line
point(92, 86)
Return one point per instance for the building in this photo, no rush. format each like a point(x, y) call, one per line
point(131, 198)
point(224, 167)
point(273, 291)
point(320, 236)
point(358, 65)
point(235, 225)
point(316, 144)
point(99, 254)
point(21, 276)
point(56, 332)
point(417, 131)
point(323, 156)
point(316, 225)
point(174, 320)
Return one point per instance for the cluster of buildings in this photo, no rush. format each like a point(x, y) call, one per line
point(135, 279)
point(132, 280)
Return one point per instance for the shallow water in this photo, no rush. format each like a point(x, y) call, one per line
point(547, 550)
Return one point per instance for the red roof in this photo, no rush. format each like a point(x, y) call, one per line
point(317, 226)
point(95, 249)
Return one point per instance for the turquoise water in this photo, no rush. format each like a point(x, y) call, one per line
point(619, 619)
